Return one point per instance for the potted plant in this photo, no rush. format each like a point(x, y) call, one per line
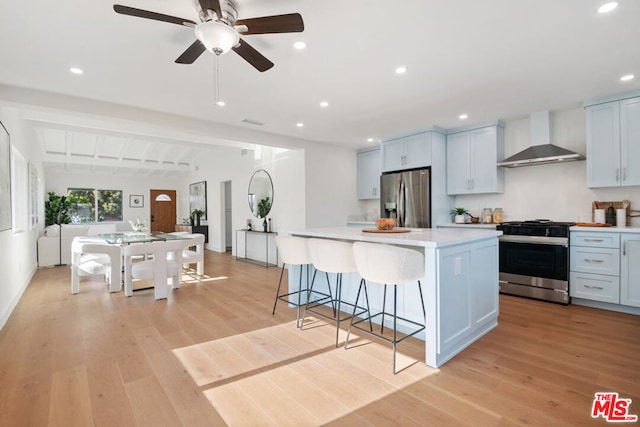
point(459, 215)
point(264, 206)
point(56, 211)
point(195, 215)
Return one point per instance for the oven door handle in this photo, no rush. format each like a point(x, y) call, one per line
point(535, 240)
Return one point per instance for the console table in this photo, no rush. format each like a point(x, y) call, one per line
point(200, 229)
point(257, 246)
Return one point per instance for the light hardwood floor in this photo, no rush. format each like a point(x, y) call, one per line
point(212, 355)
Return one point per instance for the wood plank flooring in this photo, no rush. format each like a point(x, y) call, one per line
point(213, 355)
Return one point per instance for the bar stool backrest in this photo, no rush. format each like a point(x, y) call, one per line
point(385, 264)
point(293, 250)
point(332, 256)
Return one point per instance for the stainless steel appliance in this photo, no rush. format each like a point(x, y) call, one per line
point(406, 196)
point(534, 259)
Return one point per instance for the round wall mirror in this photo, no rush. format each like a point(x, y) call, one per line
point(260, 193)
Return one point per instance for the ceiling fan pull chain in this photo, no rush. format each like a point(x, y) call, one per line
point(216, 85)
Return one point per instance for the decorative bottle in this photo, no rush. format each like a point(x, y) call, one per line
point(270, 229)
point(264, 225)
point(611, 215)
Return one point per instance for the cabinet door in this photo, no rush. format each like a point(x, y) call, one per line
point(630, 274)
point(630, 141)
point(484, 172)
point(369, 174)
point(458, 163)
point(393, 154)
point(603, 145)
point(418, 151)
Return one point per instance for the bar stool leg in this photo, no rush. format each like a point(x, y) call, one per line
point(395, 326)
point(278, 291)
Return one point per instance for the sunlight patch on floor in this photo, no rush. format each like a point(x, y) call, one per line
point(282, 375)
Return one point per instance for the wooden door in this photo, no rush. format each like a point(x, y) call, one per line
point(163, 212)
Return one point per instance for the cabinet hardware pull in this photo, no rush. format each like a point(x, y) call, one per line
point(593, 260)
point(593, 287)
point(617, 174)
point(624, 248)
point(624, 174)
point(594, 240)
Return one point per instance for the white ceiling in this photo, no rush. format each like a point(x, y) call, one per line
point(491, 59)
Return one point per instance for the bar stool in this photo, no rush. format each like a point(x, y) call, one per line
point(332, 256)
point(293, 251)
point(384, 264)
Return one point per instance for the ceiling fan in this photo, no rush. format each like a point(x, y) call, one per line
point(219, 31)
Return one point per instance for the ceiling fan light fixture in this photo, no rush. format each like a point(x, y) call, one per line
point(217, 37)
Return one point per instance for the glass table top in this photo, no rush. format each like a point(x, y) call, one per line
point(128, 237)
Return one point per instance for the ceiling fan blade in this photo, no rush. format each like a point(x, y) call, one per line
point(252, 56)
point(192, 53)
point(211, 4)
point(132, 11)
point(289, 23)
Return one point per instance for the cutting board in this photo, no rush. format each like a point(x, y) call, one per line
point(393, 230)
point(592, 224)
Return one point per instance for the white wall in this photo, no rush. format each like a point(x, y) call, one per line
point(557, 191)
point(17, 250)
point(331, 195)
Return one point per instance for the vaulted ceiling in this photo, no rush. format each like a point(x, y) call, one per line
point(493, 59)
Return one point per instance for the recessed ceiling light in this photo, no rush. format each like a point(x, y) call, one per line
point(627, 78)
point(299, 45)
point(369, 139)
point(324, 104)
point(401, 69)
point(300, 124)
point(76, 70)
point(220, 103)
point(462, 116)
point(607, 7)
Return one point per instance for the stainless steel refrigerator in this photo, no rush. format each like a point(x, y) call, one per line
point(406, 196)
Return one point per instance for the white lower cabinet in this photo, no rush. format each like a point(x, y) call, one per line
point(630, 270)
point(605, 267)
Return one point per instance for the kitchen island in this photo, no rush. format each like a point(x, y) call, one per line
point(460, 287)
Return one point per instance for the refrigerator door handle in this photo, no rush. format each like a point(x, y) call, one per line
point(401, 204)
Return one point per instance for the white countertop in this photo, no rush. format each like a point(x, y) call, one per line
point(426, 237)
point(468, 225)
point(607, 229)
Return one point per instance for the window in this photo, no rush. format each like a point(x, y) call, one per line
point(91, 205)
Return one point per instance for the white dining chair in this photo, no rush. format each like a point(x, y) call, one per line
point(164, 261)
point(388, 265)
point(193, 252)
point(92, 256)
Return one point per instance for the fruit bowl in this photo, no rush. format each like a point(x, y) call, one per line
point(385, 223)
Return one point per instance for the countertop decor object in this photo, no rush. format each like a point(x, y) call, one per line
point(386, 230)
point(459, 215)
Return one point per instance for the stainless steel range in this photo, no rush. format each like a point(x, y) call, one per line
point(534, 259)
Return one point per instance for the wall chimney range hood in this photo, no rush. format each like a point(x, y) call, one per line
point(541, 151)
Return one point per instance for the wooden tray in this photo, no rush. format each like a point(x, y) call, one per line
point(592, 224)
point(622, 204)
point(393, 230)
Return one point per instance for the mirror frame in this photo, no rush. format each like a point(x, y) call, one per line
point(251, 196)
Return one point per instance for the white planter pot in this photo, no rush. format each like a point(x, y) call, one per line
point(459, 219)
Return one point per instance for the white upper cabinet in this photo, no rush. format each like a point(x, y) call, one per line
point(369, 174)
point(407, 153)
point(613, 143)
point(472, 156)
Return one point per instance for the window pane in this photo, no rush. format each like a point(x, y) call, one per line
point(82, 205)
point(109, 205)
